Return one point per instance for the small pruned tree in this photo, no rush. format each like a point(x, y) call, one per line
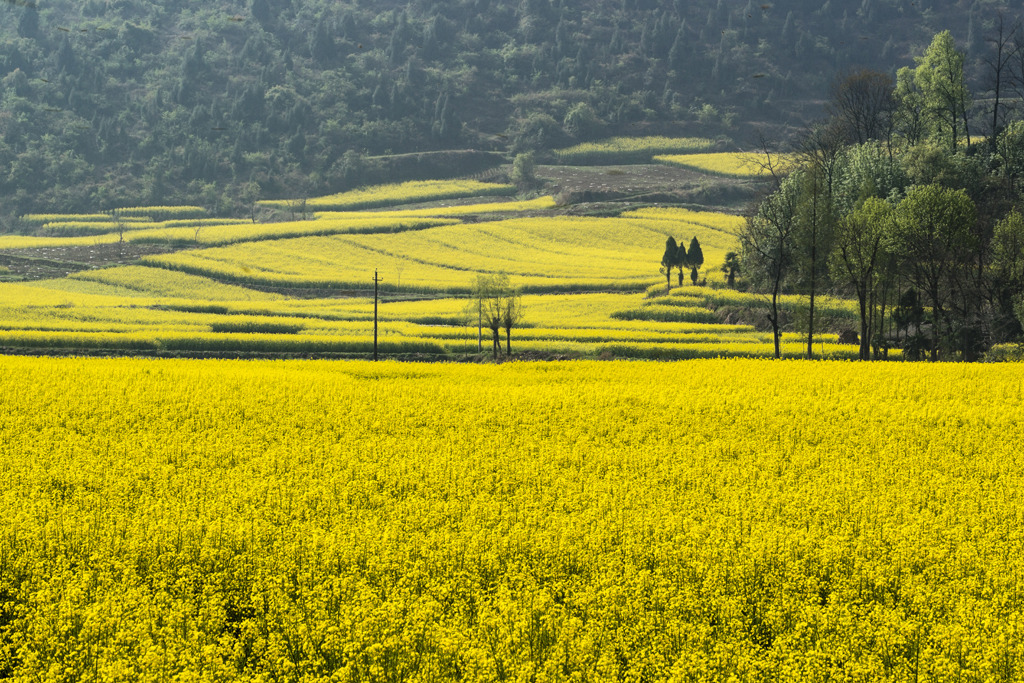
point(524, 170)
point(250, 198)
point(119, 227)
point(731, 268)
point(500, 307)
point(668, 261)
point(694, 258)
point(682, 261)
point(511, 314)
point(486, 292)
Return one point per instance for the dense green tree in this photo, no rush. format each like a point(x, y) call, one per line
point(524, 170)
point(910, 120)
point(932, 234)
point(940, 78)
point(731, 268)
point(1009, 156)
point(582, 122)
point(868, 170)
point(1007, 273)
point(859, 247)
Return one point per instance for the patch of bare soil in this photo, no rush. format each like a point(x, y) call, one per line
point(647, 183)
point(52, 262)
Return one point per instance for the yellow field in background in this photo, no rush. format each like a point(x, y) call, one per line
point(231, 295)
point(722, 222)
point(220, 232)
point(137, 308)
point(731, 164)
point(538, 204)
point(575, 521)
point(540, 253)
point(397, 193)
point(623, 150)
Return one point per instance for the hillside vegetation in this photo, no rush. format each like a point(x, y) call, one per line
point(136, 102)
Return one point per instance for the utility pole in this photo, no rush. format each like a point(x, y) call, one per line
point(375, 281)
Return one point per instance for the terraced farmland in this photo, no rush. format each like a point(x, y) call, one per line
point(591, 285)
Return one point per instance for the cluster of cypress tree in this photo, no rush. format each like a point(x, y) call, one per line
point(678, 256)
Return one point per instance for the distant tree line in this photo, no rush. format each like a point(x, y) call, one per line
point(905, 200)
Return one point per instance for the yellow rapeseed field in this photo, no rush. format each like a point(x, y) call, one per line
point(397, 193)
point(178, 232)
point(624, 150)
point(703, 521)
point(161, 212)
point(537, 204)
point(731, 164)
point(547, 253)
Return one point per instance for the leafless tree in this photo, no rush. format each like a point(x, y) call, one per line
point(499, 306)
point(862, 103)
point(1006, 46)
point(767, 241)
point(511, 314)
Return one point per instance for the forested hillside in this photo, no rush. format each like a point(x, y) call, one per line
point(121, 102)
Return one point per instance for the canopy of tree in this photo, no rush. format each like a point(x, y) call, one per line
point(898, 200)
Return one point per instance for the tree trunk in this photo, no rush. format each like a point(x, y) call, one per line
point(865, 327)
point(774, 319)
point(508, 342)
point(881, 319)
point(810, 321)
point(814, 271)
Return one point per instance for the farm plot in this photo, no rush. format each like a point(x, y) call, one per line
point(550, 254)
point(394, 194)
point(728, 164)
point(623, 150)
